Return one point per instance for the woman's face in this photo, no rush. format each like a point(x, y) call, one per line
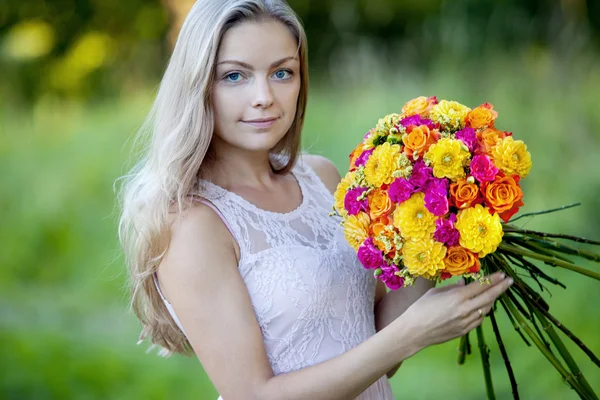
point(257, 84)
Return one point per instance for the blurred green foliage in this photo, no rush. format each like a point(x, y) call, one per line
point(77, 81)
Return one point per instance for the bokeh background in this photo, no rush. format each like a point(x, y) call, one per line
point(78, 77)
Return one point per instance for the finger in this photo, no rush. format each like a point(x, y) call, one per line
point(475, 288)
point(490, 295)
point(452, 286)
point(473, 324)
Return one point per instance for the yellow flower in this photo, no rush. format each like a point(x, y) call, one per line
point(480, 231)
point(450, 114)
point(340, 193)
point(512, 157)
point(386, 123)
point(424, 257)
point(448, 157)
point(413, 219)
point(382, 164)
point(356, 229)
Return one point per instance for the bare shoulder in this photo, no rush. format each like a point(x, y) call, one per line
point(197, 233)
point(325, 169)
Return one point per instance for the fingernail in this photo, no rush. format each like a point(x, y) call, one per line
point(502, 275)
point(510, 281)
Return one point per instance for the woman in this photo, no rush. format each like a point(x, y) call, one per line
point(227, 235)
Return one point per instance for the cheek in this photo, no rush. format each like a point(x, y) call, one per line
point(289, 97)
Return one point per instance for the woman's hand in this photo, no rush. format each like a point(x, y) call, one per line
point(447, 312)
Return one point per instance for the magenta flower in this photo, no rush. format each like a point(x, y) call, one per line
point(369, 255)
point(362, 159)
point(483, 169)
point(416, 120)
point(436, 204)
point(351, 202)
point(421, 174)
point(468, 136)
point(389, 277)
point(400, 190)
point(445, 231)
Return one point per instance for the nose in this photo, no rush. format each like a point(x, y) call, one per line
point(263, 94)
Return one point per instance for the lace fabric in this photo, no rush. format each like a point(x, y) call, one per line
point(312, 299)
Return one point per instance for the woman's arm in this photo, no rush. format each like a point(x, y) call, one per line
point(389, 305)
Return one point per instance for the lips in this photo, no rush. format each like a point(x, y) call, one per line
point(261, 123)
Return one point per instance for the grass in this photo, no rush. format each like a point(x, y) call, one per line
point(65, 332)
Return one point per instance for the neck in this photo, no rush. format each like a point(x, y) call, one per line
point(230, 167)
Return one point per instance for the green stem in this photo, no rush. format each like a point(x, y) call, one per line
point(462, 349)
point(485, 360)
point(562, 350)
point(511, 228)
point(556, 246)
point(531, 214)
point(549, 260)
point(519, 260)
point(509, 370)
point(549, 356)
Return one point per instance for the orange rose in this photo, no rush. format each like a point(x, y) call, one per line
point(489, 138)
point(420, 105)
point(459, 261)
point(464, 194)
point(379, 203)
point(377, 231)
point(354, 156)
point(482, 116)
point(418, 141)
point(504, 196)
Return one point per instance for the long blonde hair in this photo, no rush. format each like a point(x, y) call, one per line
point(176, 137)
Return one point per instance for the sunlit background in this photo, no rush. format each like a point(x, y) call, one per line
point(78, 76)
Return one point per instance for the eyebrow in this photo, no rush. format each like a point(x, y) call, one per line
point(248, 66)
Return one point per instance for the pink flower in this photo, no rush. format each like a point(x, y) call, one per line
point(445, 231)
point(351, 202)
point(436, 196)
point(483, 169)
point(369, 255)
point(468, 136)
point(362, 159)
point(416, 120)
point(391, 280)
point(400, 190)
point(420, 175)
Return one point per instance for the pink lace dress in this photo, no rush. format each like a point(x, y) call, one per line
point(312, 299)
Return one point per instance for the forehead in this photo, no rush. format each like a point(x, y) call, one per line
point(258, 43)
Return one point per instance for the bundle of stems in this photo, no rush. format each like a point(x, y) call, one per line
point(527, 253)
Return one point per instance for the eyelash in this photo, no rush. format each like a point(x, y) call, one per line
point(289, 71)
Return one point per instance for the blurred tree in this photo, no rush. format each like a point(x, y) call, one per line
point(87, 48)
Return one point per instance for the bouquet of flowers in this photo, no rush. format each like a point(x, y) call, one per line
point(430, 193)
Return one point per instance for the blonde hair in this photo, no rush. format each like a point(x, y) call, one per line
point(177, 135)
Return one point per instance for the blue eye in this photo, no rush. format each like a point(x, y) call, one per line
point(283, 74)
point(233, 77)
